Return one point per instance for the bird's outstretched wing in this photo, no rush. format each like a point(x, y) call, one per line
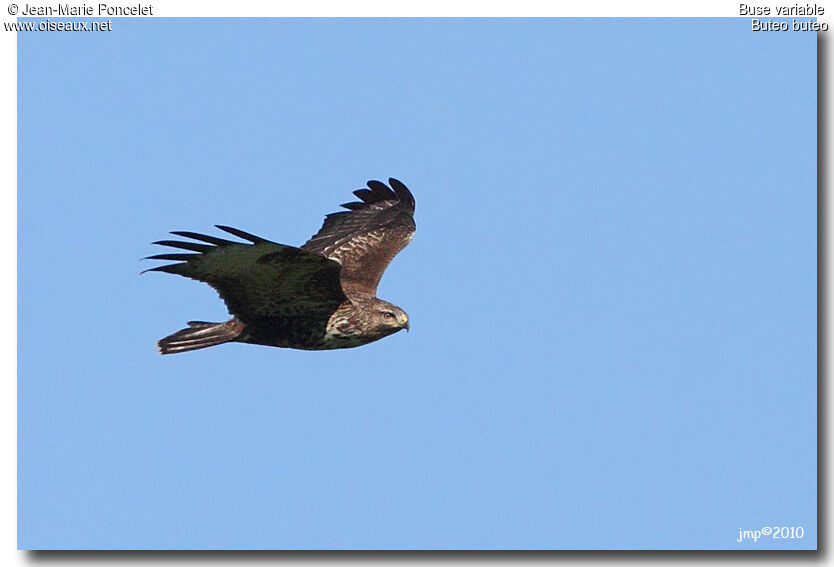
point(366, 238)
point(258, 279)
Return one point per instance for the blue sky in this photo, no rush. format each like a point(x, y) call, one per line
point(612, 288)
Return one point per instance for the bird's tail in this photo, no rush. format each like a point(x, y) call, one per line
point(200, 334)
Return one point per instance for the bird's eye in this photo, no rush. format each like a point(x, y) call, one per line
point(387, 315)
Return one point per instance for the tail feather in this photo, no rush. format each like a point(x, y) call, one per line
point(200, 334)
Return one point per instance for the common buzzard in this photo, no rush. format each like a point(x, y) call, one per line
point(319, 296)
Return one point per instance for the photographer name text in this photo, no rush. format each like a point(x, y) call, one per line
point(87, 10)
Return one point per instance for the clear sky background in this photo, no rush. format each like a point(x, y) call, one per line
point(611, 289)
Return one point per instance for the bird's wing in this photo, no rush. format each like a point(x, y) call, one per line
point(366, 238)
point(258, 279)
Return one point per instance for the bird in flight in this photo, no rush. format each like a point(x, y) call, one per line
point(319, 296)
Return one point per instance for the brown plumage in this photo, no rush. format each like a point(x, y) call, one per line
point(319, 296)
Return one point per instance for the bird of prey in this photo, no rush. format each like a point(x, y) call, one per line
point(321, 295)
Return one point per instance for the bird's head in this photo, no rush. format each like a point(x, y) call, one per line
point(388, 318)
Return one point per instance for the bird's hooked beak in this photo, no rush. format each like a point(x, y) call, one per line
point(404, 322)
